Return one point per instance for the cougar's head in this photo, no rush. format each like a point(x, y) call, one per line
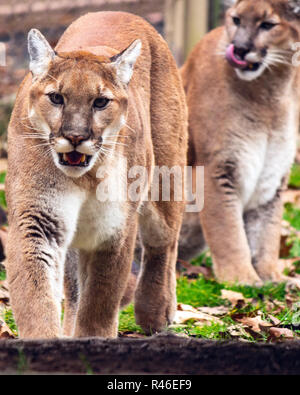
point(78, 102)
point(261, 34)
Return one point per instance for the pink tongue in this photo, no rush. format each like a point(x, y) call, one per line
point(233, 60)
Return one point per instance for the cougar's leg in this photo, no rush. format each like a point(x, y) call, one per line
point(223, 225)
point(263, 227)
point(155, 299)
point(71, 290)
point(36, 251)
point(103, 277)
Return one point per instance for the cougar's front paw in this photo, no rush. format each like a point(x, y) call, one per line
point(155, 316)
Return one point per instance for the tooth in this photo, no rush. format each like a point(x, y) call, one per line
point(82, 159)
point(65, 157)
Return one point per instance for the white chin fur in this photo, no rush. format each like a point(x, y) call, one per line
point(250, 75)
point(74, 172)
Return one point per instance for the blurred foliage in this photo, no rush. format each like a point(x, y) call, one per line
point(2, 193)
point(295, 177)
point(5, 113)
point(292, 215)
point(203, 260)
point(2, 275)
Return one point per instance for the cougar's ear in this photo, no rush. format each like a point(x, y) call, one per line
point(294, 6)
point(124, 62)
point(40, 52)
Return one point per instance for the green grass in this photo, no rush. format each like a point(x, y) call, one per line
point(199, 292)
point(9, 319)
point(2, 275)
point(2, 193)
point(203, 292)
point(127, 321)
point(268, 290)
point(213, 332)
point(295, 177)
point(204, 259)
point(292, 215)
point(2, 177)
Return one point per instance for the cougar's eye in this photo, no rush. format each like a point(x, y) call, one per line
point(56, 98)
point(236, 21)
point(267, 25)
point(101, 103)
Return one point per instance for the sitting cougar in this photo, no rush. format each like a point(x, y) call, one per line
point(243, 98)
point(86, 106)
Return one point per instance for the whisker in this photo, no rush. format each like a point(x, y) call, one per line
point(106, 149)
point(51, 76)
point(34, 137)
point(273, 59)
point(114, 143)
point(280, 51)
point(117, 135)
point(26, 117)
point(41, 145)
point(130, 128)
point(106, 152)
point(29, 127)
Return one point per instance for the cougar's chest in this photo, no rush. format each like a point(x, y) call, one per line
point(99, 223)
point(267, 161)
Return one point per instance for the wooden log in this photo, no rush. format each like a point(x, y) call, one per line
point(161, 354)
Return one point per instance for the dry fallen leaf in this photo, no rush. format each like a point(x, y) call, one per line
point(237, 331)
point(187, 313)
point(275, 321)
point(293, 283)
point(281, 333)
point(131, 334)
point(186, 307)
point(216, 311)
point(276, 307)
point(5, 332)
point(256, 324)
point(235, 298)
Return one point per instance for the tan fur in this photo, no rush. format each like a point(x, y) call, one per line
point(51, 211)
point(244, 133)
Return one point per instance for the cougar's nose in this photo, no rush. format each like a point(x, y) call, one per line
point(241, 50)
point(76, 139)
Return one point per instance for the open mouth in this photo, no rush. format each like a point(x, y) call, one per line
point(252, 67)
point(237, 62)
point(74, 158)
